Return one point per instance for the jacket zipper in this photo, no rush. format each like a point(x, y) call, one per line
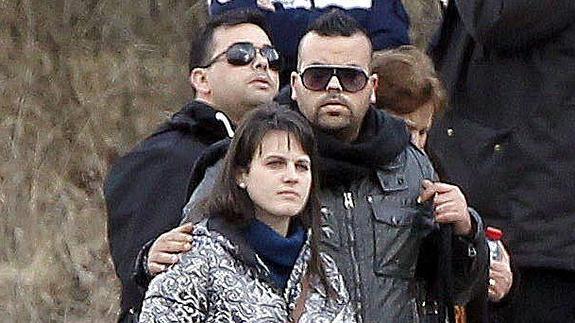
point(348, 200)
point(349, 205)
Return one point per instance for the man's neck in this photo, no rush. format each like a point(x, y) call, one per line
point(227, 111)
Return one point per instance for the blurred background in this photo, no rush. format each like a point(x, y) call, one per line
point(81, 81)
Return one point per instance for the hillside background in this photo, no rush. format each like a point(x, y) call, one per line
point(81, 81)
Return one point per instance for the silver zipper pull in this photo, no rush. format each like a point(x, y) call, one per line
point(348, 200)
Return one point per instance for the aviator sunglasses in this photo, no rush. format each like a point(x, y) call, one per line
point(240, 54)
point(317, 77)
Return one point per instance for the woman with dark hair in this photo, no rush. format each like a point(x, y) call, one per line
point(255, 257)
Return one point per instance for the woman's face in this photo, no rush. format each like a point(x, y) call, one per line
point(278, 179)
point(419, 122)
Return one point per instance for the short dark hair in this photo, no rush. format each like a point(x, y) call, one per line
point(233, 203)
point(201, 44)
point(407, 80)
point(335, 23)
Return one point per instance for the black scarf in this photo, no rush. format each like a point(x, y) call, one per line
point(381, 139)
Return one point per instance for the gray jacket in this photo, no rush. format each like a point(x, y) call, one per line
point(222, 280)
point(375, 229)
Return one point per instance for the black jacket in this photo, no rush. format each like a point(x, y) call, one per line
point(147, 188)
point(509, 140)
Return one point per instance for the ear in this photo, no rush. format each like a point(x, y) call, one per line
point(241, 176)
point(373, 80)
point(200, 81)
point(293, 80)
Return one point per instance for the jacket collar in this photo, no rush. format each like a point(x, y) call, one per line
point(244, 252)
point(200, 119)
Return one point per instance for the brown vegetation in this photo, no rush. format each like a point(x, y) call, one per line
point(81, 81)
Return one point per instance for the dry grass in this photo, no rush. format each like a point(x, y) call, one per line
point(81, 81)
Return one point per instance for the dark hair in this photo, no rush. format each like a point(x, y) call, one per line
point(406, 80)
point(336, 23)
point(201, 44)
point(232, 203)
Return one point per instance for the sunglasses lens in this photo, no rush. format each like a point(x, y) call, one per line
point(241, 54)
point(273, 57)
point(351, 80)
point(316, 78)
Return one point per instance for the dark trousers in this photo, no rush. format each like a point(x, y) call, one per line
point(544, 295)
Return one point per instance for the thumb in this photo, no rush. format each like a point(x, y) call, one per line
point(428, 192)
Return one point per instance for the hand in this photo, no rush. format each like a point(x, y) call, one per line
point(164, 251)
point(266, 4)
point(450, 205)
point(500, 276)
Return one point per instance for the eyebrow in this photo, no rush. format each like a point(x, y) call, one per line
point(298, 159)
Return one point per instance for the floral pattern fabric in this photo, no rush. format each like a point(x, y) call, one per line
point(211, 283)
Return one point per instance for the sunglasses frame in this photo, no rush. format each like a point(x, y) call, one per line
point(334, 72)
point(254, 49)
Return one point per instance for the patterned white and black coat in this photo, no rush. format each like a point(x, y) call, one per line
point(223, 280)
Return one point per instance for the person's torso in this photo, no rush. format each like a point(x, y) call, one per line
point(373, 230)
point(509, 142)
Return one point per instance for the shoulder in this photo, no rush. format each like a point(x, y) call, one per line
point(418, 159)
point(207, 246)
point(167, 150)
point(209, 249)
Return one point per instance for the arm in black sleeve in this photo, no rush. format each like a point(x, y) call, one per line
point(145, 193)
point(470, 262)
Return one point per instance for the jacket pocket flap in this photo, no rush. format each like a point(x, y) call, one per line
point(393, 211)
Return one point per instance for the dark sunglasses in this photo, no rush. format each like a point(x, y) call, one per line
point(317, 77)
point(240, 54)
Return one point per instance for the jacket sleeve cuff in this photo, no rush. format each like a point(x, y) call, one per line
point(477, 235)
point(142, 275)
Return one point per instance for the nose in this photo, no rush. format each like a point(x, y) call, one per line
point(290, 174)
point(260, 62)
point(334, 84)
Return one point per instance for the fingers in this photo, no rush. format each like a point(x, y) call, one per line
point(444, 188)
point(177, 237)
point(163, 258)
point(447, 207)
point(185, 228)
point(428, 191)
point(499, 266)
point(500, 280)
point(504, 253)
point(170, 246)
point(156, 268)
point(164, 251)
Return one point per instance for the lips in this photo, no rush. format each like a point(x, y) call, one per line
point(289, 193)
point(261, 79)
point(333, 100)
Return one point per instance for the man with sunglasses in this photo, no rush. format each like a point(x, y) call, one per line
point(233, 68)
point(394, 233)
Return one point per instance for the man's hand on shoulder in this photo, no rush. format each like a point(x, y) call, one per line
point(450, 205)
point(164, 251)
